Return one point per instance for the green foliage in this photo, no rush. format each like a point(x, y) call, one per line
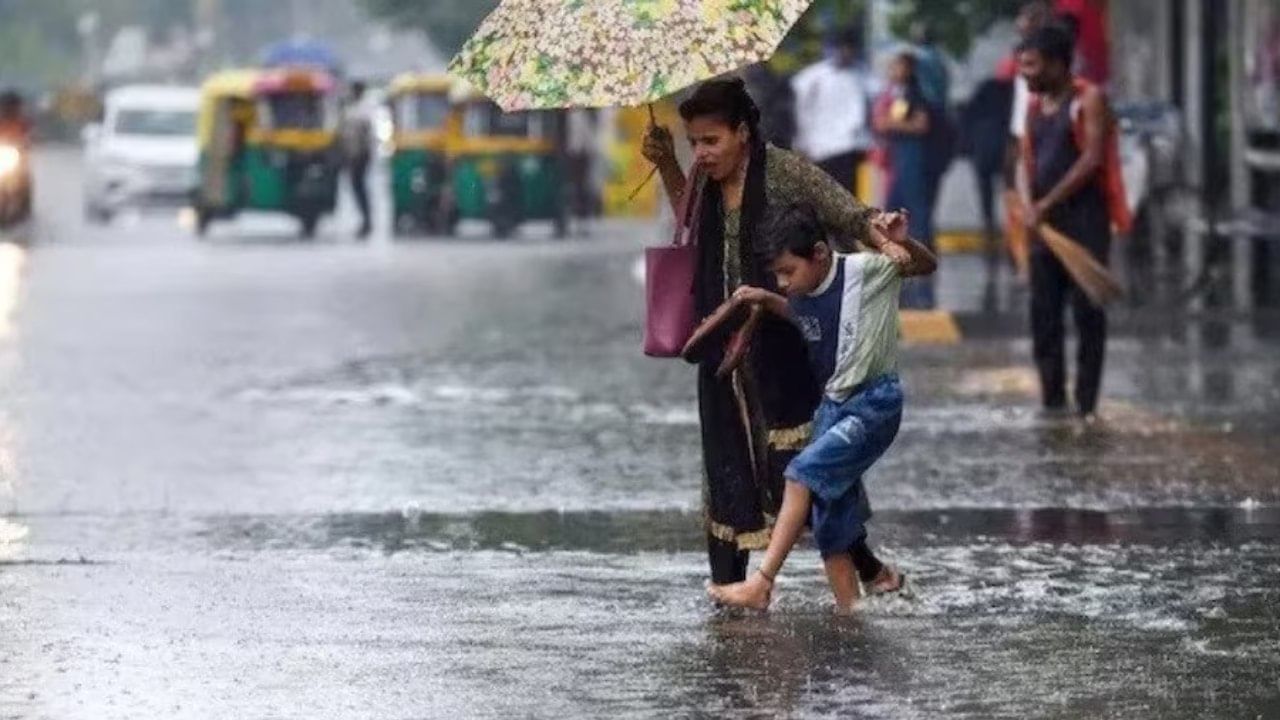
point(804, 44)
point(954, 24)
point(39, 44)
point(38, 41)
point(449, 24)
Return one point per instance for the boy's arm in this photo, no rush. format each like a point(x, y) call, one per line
point(771, 302)
point(912, 257)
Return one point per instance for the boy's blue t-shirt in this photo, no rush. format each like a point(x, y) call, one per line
point(818, 316)
point(851, 322)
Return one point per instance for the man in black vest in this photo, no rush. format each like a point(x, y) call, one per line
point(1066, 130)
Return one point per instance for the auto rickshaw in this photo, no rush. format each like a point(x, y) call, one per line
point(423, 121)
point(505, 167)
point(268, 141)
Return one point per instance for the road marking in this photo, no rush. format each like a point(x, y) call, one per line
point(929, 327)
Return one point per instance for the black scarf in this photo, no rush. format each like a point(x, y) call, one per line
point(711, 280)
point(787, 389)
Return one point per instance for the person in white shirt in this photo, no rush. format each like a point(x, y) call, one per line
point(833, 110)
point(357, 151)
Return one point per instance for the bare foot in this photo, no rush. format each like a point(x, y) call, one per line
point(755, 592)
point(888, 580)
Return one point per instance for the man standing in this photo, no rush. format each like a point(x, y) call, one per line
point(357, 149)
point(833, 110)
point(1064, 153)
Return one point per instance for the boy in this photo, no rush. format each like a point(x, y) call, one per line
point(847, 308)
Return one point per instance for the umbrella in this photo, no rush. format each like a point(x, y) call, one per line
point(530, 54)
point(307, 53)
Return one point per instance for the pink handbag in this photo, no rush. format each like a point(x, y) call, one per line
point(669, 278)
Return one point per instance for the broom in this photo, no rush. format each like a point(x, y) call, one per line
point(1090, 276)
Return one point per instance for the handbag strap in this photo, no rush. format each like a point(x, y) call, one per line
point(688, 209)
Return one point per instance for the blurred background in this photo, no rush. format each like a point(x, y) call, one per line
point(1194, 83)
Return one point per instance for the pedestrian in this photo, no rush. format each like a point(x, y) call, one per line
point(357, 150)
point(755, 420)
point(1064, 151)
point(934, 78)
point(984, 127)
point(580, 147)
point(902, 119)
point(931, 65)
point(846, 306)
point(773, 94)
point(833, 110)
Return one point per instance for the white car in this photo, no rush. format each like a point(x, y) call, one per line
point(144, 154)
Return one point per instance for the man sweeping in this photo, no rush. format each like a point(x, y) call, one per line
point(1074, 187)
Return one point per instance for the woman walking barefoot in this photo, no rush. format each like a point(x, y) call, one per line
point(756, 420)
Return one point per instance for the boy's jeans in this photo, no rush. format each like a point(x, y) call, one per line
point(848, 437)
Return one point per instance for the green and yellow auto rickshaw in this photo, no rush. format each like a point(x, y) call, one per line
point(268, 141)
point(504, 167)
point(423, 120)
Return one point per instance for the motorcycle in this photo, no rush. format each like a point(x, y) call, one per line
point(15, 184)
point(1152, 145)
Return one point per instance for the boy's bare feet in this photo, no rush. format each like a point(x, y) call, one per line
point(755, 592)
point(888, 580)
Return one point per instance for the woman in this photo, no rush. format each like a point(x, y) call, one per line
point(755, 421)
point(901, 118)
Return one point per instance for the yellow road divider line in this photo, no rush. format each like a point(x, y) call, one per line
point(929, 327)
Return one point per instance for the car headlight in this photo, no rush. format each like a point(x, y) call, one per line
point(10, 159)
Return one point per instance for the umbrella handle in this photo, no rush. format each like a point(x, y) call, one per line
point(642, 185)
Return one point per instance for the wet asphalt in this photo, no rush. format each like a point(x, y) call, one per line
point(252, 476)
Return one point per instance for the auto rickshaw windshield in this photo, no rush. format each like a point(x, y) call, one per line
point(421, 111)
point(483, 119)
point(297, 111)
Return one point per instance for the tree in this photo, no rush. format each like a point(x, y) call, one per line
point(38, 41)
point(449, 24)
point(805, 41)
point(954, 24)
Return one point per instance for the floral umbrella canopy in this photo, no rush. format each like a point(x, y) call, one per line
point(532, 54)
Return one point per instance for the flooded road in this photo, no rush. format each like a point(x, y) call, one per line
point(255, 477)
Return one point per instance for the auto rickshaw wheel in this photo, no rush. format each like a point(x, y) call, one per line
point(402, 224)
point(309, 222)
point(203, 219)
point(505, 220)
point(561, 221)
point(503, 227)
